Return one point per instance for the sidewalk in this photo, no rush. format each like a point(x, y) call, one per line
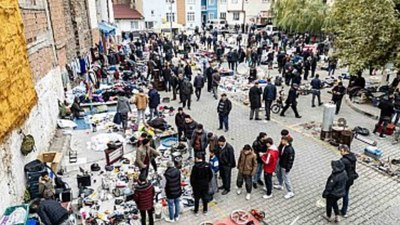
point(365, 109)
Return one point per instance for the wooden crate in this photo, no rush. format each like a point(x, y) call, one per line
point(53, 159)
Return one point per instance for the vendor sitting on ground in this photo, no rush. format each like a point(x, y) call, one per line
point(46, 187)
point(50, 212)
point(76, 109)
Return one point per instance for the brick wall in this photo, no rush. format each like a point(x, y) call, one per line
point(59, 30)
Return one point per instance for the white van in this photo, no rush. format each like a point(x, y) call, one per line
point(271, 30)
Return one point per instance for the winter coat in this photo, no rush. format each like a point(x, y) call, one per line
point(141, 155)
point(224, 107)
point(203, 140)
point(387, 109)
point(270, 92)
point(189, 129)
point(154, 98)
point(173, 188)
point(143, 196)
point(123, 105)
point(200, 178)
point(198, 81)
point(338, 93)
point(226, 156)
point(51, 212)
point(216, 78)
point(336, 184)
point(187, 88)
point(259, 147)
point(141, 101)
point(316, 84)
point(270, 159)
point(255, 97)
point(247, 163)
point(349, 161)
point(46, 188)
point(286, 157)
point(180, 120)
point(292, 96)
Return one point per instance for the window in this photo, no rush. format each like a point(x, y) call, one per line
point(234, 1)
point(236, 16)
point(223, 2)
point(134, 25)
point(211, 16)
point(149, 25)
point(222, 15)
point(170, 17)
point(190, 17)
point(152, 12)
point(192, 2)
point(211, 2)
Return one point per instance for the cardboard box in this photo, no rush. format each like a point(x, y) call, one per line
point(52, 159)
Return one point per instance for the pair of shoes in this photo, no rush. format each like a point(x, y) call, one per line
point(260, 182)
point(298, 117)
point(225, 192)
point(289, 195)
point(313, 106)
point(168, 220)
point(267, 196)
point(278, 187)
point(255, 185)
point(248, 196)
point(257, 119)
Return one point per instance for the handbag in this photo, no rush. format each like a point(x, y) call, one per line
point(117, 118)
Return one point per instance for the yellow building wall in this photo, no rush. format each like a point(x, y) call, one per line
point(17, 92)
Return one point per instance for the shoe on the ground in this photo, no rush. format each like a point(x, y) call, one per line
point(289, 195)
point(196, 214)
point(264, 189)
point(225, 192)
point(251, 118)
point(337, 220)
point(255, 185)
point(267, 118)
point(283, 115)
point(320, 104)
point(298, 117)
point(168, 220)
point(239, 191)
point(327, 218)
point(382, 136)
point(205, 213)
point(313, 106)
point(257, 119)
point(226, 130)
point(278, 187)
point(260, 182)
point(343, 215)
point(267, 196)
point(219, 129)
point(221, 187)
point(177, 218)
point(248, 196)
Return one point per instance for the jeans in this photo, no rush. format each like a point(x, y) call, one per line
point(143, 216)
point(215, 91)
point(259, 170)
point(223, 121)
point(247, 179)
point(317, 93)
point(226, 174)
point(283, 176)
point(345, 202)
point(124, 118)
point(331, 202)
point(186, 100)
point(173, 208)
point(256, 111)
point(268, 104)
point(268, 182)
point(153, 112)
point(197, 203)
point(141, 115)
point(198, 93)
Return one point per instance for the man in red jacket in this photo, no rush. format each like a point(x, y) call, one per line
point(143, 196)
point(270, 159)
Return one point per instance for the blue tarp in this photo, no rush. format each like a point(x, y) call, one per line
point(107, 28)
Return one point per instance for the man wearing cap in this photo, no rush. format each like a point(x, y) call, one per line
point(291, 101)
point(173, 191)
point(224, 108)
point(255, 100)
point(199, 140)
point(226, 156)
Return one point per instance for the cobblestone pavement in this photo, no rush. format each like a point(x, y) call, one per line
point(374, 199)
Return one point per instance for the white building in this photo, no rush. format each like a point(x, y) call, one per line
point(157, 12)
point(105, 11)
point(257, 11)
point(127, 19)
point(193, 13)
point(235, 12)
point(222, 9)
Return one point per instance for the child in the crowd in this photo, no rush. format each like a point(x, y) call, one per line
point(214, 162)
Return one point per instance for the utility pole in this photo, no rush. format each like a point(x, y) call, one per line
point(170, 17)
point(244, 13)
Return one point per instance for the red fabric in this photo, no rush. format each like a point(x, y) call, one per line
point(144, 198)
point(269, 167)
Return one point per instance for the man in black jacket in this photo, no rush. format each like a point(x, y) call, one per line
point(50, 212)
point(255, 101)
point(190, 127)
point(186, 93)
point(269, 96)
point(199, 180)
point(316, 86)
point(286, 159)
point(291, 101)
point(173, 190)
point(223, 109)
point(259, 146)
point(226, 156)
point(349, 160)
point(387, 111)
point(180, 122)
point(198, 85)
point(209, 74)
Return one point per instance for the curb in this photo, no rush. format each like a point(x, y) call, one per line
point(355, 108)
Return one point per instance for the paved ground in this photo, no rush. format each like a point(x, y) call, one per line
point(374, 197)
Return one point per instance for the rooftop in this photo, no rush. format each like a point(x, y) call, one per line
point(125, 12)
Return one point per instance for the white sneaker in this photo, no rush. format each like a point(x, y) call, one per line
point(239, 191)
point(289, 195)
point(248, 196)
point(264, 188)
point(169, 220)
point(278, 187)
point(177, 218)
point(267, 196)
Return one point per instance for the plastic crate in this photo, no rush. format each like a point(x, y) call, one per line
point(11, 209)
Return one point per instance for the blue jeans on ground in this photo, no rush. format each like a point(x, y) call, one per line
point(173, 208)
point(345, 203)
point(259, 170)
point(283, 176)
point(223, 121)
